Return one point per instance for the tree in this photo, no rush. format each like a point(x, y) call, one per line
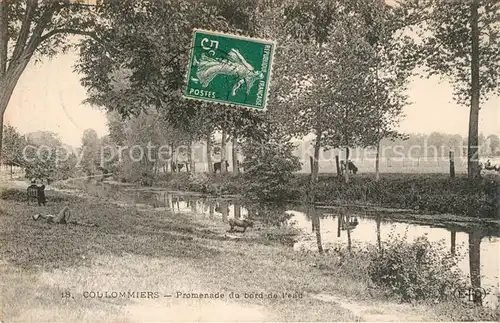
point(90, 152)
point(494, 144)
point(148, 65)
point(13, 144)
point(150, 52)
point(269, 165)
point(390, 72)
point(43, 155)
point(330, 61)
point(459, 40)
point(32, 27)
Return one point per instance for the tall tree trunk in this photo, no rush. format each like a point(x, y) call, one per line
point(22, 53)
point(191, 159)
point(1, 135)
point(173, 159)
point(234, 150)
point(4, 38)
point(472, 156)
point(223, 147)
point(346, 171)
point(337, 165)
point(317, 147)
point(315, 167)
point(377, 162)
point(209, 152)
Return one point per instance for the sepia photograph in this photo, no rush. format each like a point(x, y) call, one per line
point(249, 161)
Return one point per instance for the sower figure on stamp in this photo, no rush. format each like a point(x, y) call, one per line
point(61, 218)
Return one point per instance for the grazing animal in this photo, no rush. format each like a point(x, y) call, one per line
point(177, 167)
point(217, 166)
point(352, 168)
point(244, 223)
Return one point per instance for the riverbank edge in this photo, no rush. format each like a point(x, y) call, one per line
point(404, 215)
point(441, 311)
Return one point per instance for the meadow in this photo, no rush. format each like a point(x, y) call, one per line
point(49, 270)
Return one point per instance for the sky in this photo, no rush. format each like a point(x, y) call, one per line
point(49, 97)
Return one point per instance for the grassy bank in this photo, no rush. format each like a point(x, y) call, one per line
point(428, 193)
point(149, 250)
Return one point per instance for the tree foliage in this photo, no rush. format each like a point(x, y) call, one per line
point(91, 148)
point(36, 28)
point(46, 158)
point(13, 145)
point(269, 165)
point(445, 47)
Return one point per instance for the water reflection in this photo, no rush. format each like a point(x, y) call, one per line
point(316, 226)
point(323, 230)
point(474, 263)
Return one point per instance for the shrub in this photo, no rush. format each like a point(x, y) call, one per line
point(269, 169)
point(199, 182)
point(418, 270)
point(12, 194)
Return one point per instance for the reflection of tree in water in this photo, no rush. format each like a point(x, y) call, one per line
point(453, 241)
point(347, 222)
point(224, 206)
point(192, 205)
point(475, 262)
point(237, 209)
point(379, 239)
point(311, 211)
point(268, 214)
point(212, 210)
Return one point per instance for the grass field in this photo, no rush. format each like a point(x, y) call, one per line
point(145, 250)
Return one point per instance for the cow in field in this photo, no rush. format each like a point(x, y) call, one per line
point(217, 166)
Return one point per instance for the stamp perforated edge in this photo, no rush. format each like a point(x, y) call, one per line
point(237, 36)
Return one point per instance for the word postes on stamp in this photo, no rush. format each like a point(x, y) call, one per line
point(229, 69)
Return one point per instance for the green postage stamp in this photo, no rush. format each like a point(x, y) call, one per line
point(229, 69)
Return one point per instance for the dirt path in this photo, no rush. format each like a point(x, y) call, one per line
point(377, 311)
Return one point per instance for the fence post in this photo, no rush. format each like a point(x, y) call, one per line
point(452, 164)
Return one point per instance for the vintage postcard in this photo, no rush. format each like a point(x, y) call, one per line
point(249, 161)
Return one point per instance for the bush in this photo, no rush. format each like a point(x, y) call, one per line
point(418, 270)
point(269, 169)
point(200, 182)
point(12, 194)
